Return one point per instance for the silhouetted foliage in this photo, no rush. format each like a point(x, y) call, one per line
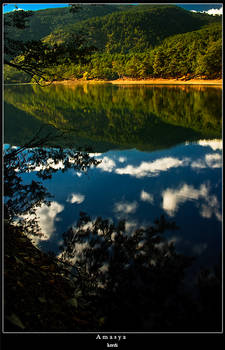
point(22, 200)
point(132, 279)
point(33, 57)
point(136, 280)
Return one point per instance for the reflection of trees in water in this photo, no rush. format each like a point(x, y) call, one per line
point(135, 281)
point(144, 117)
point(22, 200)
point(127, 277)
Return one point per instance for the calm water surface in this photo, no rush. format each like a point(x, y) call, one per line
point(161, 153)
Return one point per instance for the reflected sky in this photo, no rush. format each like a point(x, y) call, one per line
point(184, 183)
point(160, 152)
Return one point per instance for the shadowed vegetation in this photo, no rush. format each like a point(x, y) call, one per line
point(112, 117)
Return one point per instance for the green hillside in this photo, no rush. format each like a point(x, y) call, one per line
point(139, 42)
point(43, 22)
point(189, 55)
point(194, 53)
point(135, 29)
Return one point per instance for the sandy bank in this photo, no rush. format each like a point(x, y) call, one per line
point(170, 82)
point(217, 82)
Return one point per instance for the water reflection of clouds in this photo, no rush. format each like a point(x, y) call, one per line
point(146, 197)
point(47, 216)
point(211, 160)
point(211, 207)
point(151, 168)
point(131, 226)
point(173, 198)
point(107, 164)
point(113, 163)
point(214, 144)
point(79, 248)
point(122, 159)
point(77, 173)
point(95, 154)
point(144, 168)
point(214, 160)
point(163, 164)
point(75, 198)
point(50, 163)
point(125, 207)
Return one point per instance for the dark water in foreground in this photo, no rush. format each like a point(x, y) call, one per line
point(161, 153)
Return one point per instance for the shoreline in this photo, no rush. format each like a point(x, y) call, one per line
point(211, 82)
point(217, 82)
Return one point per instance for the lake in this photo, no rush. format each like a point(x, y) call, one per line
point(161, 154)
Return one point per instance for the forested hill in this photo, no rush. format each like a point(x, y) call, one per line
point(134, 29)
point(43, 22)
point(116, 28)
point(143, 41)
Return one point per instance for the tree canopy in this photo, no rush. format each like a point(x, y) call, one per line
point(148, 41)
point(34, 56)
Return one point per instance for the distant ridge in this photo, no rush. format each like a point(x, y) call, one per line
point(135, 28)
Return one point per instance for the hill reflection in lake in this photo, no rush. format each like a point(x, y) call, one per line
point(161, 153)
point(115, 117)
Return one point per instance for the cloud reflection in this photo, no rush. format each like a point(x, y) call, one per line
point(211, 160)
point(122, 159)
point(146, 197)
point(125, 207)
point(107, 164)
point(151, 168)
point(47, 217)
point(214, 160)
point(75, 198)
point(214, 144)
point(131, 226)
point(173, 198)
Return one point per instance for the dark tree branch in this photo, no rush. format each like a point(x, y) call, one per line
point(34, 57)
